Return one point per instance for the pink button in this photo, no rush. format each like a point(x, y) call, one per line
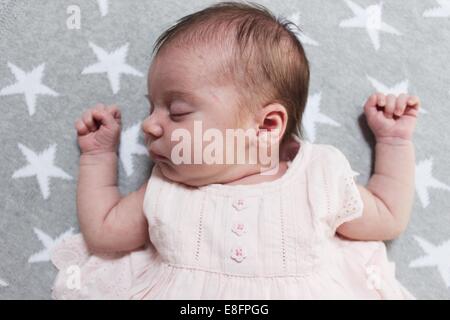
point(238, 254)
point(239, 228)
point(239, 204)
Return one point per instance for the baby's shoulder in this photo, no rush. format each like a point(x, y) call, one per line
point(329, 161)
point(326, 154)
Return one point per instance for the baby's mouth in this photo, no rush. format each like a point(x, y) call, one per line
point(158, 157)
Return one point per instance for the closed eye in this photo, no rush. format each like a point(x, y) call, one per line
point(178, 110)
point(180, 114)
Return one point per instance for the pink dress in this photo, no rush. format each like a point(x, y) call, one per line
point(273, 240)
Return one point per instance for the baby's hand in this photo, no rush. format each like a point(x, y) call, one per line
point(99, 129)
point(392, 118)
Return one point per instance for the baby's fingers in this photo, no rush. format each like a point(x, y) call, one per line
point(88, 120)
point(115, 111)
point(370, 108)
point(105, 118)
point(400, 104)
point(414, 102)
point(81, 127)
point(381, 99)
point(390, 105)
point(412, 106)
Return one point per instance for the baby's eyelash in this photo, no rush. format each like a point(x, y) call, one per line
point(180, 114)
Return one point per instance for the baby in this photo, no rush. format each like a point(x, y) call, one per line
point(297, 228)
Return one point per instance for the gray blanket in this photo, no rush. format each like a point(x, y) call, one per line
point(51, 70)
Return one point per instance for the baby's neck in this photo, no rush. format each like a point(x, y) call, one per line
point(255, 178)
point(287, 153)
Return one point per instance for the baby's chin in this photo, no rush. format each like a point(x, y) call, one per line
point(187, 175)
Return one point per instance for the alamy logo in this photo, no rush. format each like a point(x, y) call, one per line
point(73, 281)
point(373, 277)
point(74, 20)
point(239, 146)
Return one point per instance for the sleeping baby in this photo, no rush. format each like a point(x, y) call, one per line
point(250, 210)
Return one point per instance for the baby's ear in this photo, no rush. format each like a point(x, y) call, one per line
point(274, 118)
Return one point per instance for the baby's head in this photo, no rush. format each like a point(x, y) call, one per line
point(230, 66)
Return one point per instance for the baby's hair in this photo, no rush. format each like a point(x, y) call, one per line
point(267, 59)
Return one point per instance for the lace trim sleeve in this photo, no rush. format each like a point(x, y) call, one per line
point(351, 205)
point(344, 202)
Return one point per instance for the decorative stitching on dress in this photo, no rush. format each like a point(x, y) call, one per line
point(200, 228)
point(350, 204)
point(155, 206)
point(283, 247)
point(237, 275)
point(327, 194)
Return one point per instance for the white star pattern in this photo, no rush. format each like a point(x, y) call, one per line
point(48, 243)
point(436, 256)
point(425, 180)
point(44, 84)
point(397, 89)
point(41, 165)
point(3, 283)
point(113, 64)
point(439, 12)
point(369, 19)
point(129, 146)
point(304, 39)
point(29, 84)
point(103, 6)
point(312, 115)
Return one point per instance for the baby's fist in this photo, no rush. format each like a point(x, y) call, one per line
point(99, 129)
point(392, 118)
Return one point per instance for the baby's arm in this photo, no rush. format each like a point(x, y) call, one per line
point(389, 195)
point(108, 221)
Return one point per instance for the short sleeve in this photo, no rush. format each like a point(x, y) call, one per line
point(344, 202)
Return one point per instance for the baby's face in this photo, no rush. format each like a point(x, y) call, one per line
point(183, 95)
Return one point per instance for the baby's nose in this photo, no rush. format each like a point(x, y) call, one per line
point(152, 128)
